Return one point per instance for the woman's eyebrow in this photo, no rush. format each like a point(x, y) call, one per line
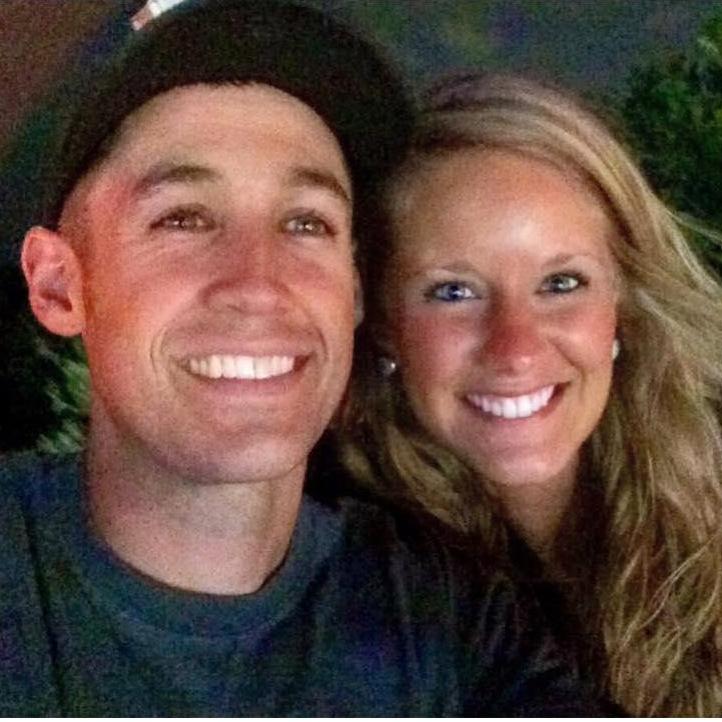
point(561, 259)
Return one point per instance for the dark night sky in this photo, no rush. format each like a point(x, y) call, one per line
point(585, 43)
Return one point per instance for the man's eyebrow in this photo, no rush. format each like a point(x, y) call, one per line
point(172, 173)
point(315, 177)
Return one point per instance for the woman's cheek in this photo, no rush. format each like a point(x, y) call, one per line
point(588, 333)
point(433, 346)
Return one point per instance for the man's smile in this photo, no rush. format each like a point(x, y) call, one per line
point(216, 366)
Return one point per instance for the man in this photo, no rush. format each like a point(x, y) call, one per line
point(197, 232)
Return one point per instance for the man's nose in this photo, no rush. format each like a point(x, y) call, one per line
point(249, 274)
point(513, 338)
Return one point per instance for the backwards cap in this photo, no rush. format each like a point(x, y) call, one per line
point(290, 47)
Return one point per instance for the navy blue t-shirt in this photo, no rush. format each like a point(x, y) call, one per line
point(369, 615)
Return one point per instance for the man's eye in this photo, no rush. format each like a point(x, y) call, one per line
point(308, 225)
point(562, 283)
point(184, 220)
point(451, 292)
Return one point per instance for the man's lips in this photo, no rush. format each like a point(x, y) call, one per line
point(521, 406)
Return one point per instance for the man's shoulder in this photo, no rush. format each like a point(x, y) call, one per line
point(461, 609)
point(373, 518)
point(30, 476)
point(30, 495)
point(395, 526)
point(380, 537)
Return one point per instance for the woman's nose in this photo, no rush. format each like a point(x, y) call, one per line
point(514, 338)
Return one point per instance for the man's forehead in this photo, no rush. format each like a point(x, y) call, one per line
point(189, 134)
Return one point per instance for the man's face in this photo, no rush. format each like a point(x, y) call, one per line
point(218, 283)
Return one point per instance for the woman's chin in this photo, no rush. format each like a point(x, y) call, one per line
point(529, 475)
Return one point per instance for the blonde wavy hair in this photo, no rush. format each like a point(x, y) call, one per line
point(651, 594)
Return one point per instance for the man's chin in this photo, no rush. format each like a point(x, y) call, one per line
point(269, 461)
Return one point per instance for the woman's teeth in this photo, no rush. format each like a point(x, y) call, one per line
point(241, 367)
point(512, 407)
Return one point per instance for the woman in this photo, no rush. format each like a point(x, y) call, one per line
point(543, 358)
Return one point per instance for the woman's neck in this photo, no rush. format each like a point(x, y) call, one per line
point(537, 512)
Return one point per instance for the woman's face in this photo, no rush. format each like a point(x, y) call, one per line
point(501, 305)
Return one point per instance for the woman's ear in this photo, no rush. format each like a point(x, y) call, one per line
point(54, 277)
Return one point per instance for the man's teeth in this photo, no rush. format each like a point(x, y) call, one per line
point(241, 367)
point(513, 407)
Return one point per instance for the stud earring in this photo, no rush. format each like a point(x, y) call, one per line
point(616, 347)
point(387, 366)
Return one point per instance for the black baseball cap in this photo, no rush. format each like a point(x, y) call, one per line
point(293, 47)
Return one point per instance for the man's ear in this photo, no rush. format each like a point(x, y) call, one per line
point(53, 274)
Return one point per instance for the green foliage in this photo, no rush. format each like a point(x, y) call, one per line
point(43, 381)
point(69, 393)
point(673, 117)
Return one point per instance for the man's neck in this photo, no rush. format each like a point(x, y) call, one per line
point(210, 538)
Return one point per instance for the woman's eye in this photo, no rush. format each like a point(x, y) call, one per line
point(561, 283)
point(451, 292)
point(185, 220)
point(308, 225)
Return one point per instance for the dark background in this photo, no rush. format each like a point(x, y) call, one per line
point(585, 43)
